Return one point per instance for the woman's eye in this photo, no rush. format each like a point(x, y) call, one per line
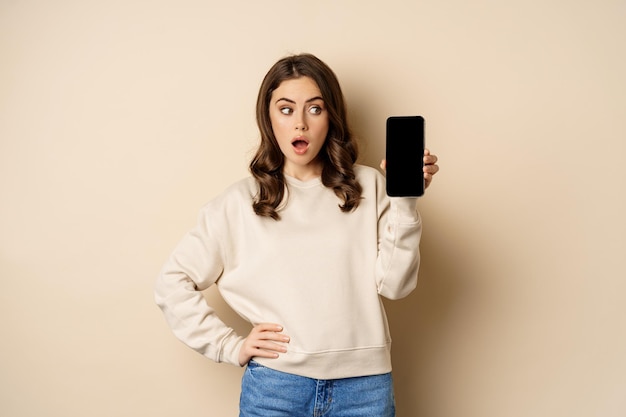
point(286, 110)
point(315, 109)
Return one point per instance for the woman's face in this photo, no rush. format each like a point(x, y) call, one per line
point(300, 124)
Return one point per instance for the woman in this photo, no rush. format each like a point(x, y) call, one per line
point(303, 250)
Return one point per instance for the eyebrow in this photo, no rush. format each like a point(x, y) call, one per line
point(292, 101)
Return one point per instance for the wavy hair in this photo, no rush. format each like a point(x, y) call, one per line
point(340, 150)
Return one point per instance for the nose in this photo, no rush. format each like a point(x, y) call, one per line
point(301, 123)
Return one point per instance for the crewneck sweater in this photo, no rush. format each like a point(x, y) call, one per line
point(319, 272)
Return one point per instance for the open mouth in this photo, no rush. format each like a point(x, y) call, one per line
point(300, 145)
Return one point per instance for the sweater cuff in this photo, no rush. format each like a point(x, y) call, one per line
point(231, 348)
point(404, 209)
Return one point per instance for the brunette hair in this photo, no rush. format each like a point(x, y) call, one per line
point(338, 154)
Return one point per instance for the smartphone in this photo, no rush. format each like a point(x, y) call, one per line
point(405, 156)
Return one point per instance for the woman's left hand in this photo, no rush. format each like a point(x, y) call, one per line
point(430, 167)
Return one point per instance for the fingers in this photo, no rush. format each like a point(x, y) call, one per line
point(430, 167)
point(429, 159)
point(383, 164)
point(427, 180)
point(264, 341)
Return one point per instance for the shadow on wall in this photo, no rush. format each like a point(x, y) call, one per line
point(421, 323)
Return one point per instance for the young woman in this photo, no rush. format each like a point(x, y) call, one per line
point(303, 250)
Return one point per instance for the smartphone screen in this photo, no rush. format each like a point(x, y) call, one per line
point(405, 156)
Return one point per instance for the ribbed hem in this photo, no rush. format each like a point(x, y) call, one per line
point(334, 364)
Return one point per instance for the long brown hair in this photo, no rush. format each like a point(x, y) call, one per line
point(338, 154)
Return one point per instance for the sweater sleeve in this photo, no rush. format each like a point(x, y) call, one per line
point(195, 265)
point(399, 232)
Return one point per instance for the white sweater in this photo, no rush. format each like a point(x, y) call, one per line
point(317, 271)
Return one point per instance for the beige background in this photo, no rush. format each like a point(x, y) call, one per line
point(120, 118)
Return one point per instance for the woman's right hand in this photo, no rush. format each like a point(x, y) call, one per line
point(264, 341)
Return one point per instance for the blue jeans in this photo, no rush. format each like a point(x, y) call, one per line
point(269, 393)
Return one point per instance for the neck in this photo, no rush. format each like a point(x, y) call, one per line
point(303, 172)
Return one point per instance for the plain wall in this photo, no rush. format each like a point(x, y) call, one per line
point(120, 119)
